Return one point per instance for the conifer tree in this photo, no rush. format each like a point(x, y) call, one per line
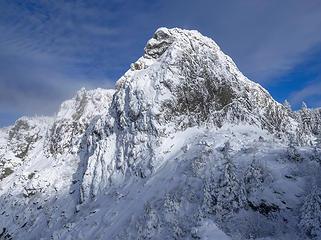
point(225, 194)
point(254, 176)
point(310, 221)
point(316, 155)
point(287, 106)
point(231, 195)
point(304, 107)
point(292, 152)
point(306, 118)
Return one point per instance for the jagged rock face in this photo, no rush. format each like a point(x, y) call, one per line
point(151, 159)
point(74, 118)
point(185, 79)
point(160, 42)
point(40, 179)
point(25, 135)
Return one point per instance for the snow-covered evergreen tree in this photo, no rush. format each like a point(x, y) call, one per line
point(231, 196)
point(310, 221)
point(292, 152)
point(287, 106)
point(224, 195)
point(304, 107)
point(210, 196)
point(306, 118)
point(318, 141)
point(254, 176)
point(316, 155)
point(226, 150)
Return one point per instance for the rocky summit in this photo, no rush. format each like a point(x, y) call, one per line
point(185, 147)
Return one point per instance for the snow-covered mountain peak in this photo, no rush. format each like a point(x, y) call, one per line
point(184, 144)
point(185, 79)
point(86, 103)
point(163, 38)
point(74, 117)
point(160, 42)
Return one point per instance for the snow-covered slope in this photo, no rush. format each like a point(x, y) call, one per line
point(186, 147)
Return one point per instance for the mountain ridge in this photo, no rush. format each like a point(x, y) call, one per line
point(182, 135)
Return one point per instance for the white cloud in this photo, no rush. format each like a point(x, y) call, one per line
point(311, 93)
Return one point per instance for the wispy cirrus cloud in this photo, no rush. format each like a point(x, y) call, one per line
point(47, 54)
point(311, 93)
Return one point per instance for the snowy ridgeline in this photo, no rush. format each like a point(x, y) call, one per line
point(186, 147)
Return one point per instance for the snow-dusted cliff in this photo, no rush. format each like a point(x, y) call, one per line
point(186, 147)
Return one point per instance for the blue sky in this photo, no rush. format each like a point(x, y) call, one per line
point(50, 49)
